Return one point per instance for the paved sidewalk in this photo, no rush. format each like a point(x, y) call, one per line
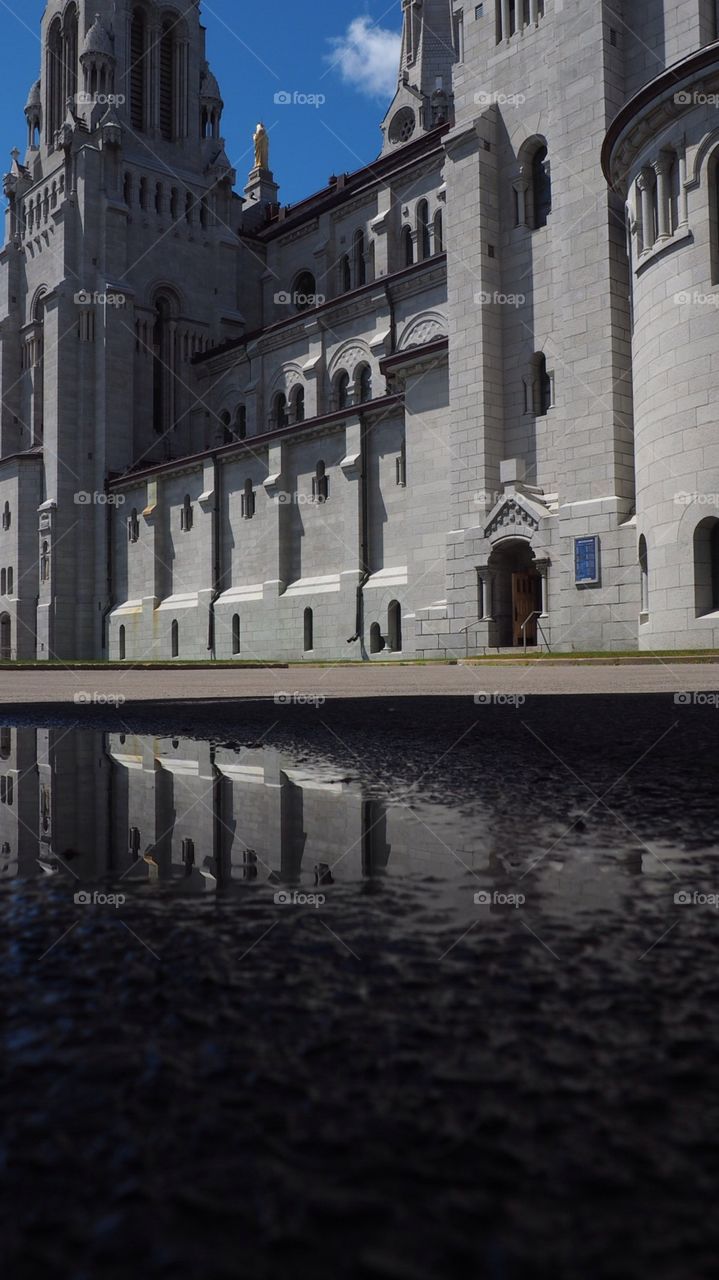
point(36, 687)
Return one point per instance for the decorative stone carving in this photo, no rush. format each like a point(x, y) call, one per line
point(511, 513)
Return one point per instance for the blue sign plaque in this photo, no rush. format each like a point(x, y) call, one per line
point(586, 562)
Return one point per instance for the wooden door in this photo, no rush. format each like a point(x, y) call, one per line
point(524, 603)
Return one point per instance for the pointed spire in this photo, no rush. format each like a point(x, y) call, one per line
point(424, 96)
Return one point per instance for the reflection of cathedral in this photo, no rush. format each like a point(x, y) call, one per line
point(466, 390)
point(173, 809)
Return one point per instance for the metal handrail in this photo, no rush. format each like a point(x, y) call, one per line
point(466, 630)
point(536, 614)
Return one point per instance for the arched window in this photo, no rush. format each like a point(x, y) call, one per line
point(438, 232)
point(423, 245)
point(175, 638)
point(298, 405)
point(304, 293)
point(363, 379)
point(138, 69)
point(542, 386)
point(644, 575)
point(6, 516)
point(187, 515)
point(69, 53)
point(706, 566)
point(241, 422)
point(3, 582)
point(248, 501)
point(407, 247)
point(122, 644)
point(394, 627)
point(55, 77)
point(673, 193)
point(342, 389)
point(5, 742)
point(280, 416)
point(376, 639)
point(10, 581)
point(168, 85)
point(320, 484)
point(236, 634)
point(309, 627)
point(541, 188)
point(360, 266)
point(345, 274)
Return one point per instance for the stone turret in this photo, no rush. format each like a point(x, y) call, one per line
point(424, 97)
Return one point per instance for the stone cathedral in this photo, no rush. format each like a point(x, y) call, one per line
point(462, 399)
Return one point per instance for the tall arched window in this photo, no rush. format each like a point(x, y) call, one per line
point(138, 70)
point(363, 379)
point(320, 483)
point(298, 405)
point(55, 75)
point(280, 415)
point(345, 274)
point(359, 259)
point(168, 81)
point(175, 638)
point(69, 31)
point(423, 245)
point(438, 232)
point(309, 629)
point(407, 247)
point(248, 501)
point(644, 575)
point(542, 386)
point(342, 388)
point(236, 634)
point(163, 366)
point(541, 188)
point(394, 627)
point(241, 422)
point(122, 644)
point(706, 566)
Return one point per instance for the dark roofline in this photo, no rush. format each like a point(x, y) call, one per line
point(341, 299)
point(673, 75)
point(286, 217)
point(248, 445)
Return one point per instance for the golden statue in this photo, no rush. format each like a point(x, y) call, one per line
point(262, 147)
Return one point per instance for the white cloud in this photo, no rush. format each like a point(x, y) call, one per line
point(367, 58)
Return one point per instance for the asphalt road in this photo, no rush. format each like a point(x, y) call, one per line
point(33, 687)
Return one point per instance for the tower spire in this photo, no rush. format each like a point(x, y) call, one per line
point(424, 93)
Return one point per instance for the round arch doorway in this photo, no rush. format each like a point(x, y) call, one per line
point(518, 594)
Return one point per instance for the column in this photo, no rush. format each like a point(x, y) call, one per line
point(542, 567)
point(645, 183)
point(683, 199)
point(533, 13)
point(661, 169)
point(486, 580)
point(505, 19)
point(521, 186)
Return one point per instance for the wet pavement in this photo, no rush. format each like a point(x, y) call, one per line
point(405, 991)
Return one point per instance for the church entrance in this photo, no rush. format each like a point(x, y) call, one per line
point(516, 595)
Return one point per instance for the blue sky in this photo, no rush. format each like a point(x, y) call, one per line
point(345, 50)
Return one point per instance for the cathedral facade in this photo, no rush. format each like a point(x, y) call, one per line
point(462, 399)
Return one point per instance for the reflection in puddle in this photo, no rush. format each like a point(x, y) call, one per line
point(185, 815)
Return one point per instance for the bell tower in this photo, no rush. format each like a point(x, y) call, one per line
point(424, 98)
